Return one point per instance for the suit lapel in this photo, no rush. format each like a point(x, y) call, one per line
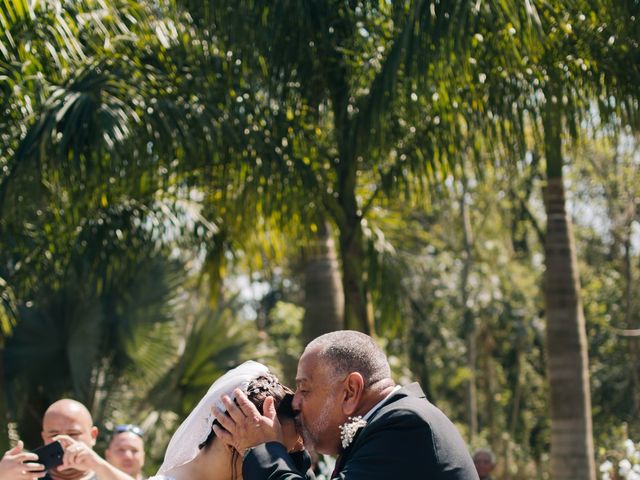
point(411, 390)
point(342, 458)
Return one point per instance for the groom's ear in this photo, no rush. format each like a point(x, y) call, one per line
point(353, 391)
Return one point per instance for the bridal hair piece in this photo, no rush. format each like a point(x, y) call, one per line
point(183, 446)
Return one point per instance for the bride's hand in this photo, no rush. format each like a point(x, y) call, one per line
point(244, 426)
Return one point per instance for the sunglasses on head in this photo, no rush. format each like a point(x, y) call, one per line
point(135, 429)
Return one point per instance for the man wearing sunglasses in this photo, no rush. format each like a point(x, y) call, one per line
point(126, 450)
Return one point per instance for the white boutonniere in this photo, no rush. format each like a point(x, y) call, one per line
point(349, 429)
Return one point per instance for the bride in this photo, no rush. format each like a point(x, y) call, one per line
point(195, 454)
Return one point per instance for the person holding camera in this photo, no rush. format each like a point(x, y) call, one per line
point(13, 465)
point(69, 422)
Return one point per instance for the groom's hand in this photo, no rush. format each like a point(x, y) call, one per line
point(244, 426)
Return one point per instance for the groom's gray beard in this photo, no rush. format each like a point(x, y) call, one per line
point(307, 437)
point(310, 430)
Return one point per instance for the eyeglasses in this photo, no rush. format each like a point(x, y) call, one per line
point(135, 429)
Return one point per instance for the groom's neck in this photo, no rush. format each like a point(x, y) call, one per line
point(374, 395)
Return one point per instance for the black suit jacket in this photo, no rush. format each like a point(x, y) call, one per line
point(406, 438)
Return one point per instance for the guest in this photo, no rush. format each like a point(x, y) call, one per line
point(126, 450)
point(70, 423)
point(485, 462)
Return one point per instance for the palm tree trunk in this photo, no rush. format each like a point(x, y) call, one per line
point(357, 304)
point(358, 314)
point(633, 343)
point(572, 456)
point(515, 409)
point(323, 295)
point(418, 348)
point(468, 317)
point(490, 406)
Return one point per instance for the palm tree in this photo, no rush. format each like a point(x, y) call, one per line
point(358, 79)
point(320, 133)
point(572, 453)
point(81, 170)
point(94, 310)
point(570, 77)
point(469, 319)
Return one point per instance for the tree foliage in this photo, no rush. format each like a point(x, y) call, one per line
point(154, 156)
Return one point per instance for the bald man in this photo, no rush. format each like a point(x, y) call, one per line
point(70, 423)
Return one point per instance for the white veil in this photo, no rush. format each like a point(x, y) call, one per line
point(183, 446)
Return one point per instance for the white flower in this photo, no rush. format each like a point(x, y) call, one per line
point(349, 429)
point(624, 467)
point(630, 447)
point(606, 466)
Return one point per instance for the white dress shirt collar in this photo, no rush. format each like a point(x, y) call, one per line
point(380, 403)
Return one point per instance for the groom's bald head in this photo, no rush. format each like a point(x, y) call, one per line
point(349, 351)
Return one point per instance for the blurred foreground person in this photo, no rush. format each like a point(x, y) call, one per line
point(13, 466)
point(70, 423)
point(126, 450)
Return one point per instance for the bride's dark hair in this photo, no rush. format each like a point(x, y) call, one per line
point(266, 385)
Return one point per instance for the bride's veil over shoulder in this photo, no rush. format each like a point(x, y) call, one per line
point(183, 446)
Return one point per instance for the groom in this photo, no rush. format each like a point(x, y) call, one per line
point(348, 405)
